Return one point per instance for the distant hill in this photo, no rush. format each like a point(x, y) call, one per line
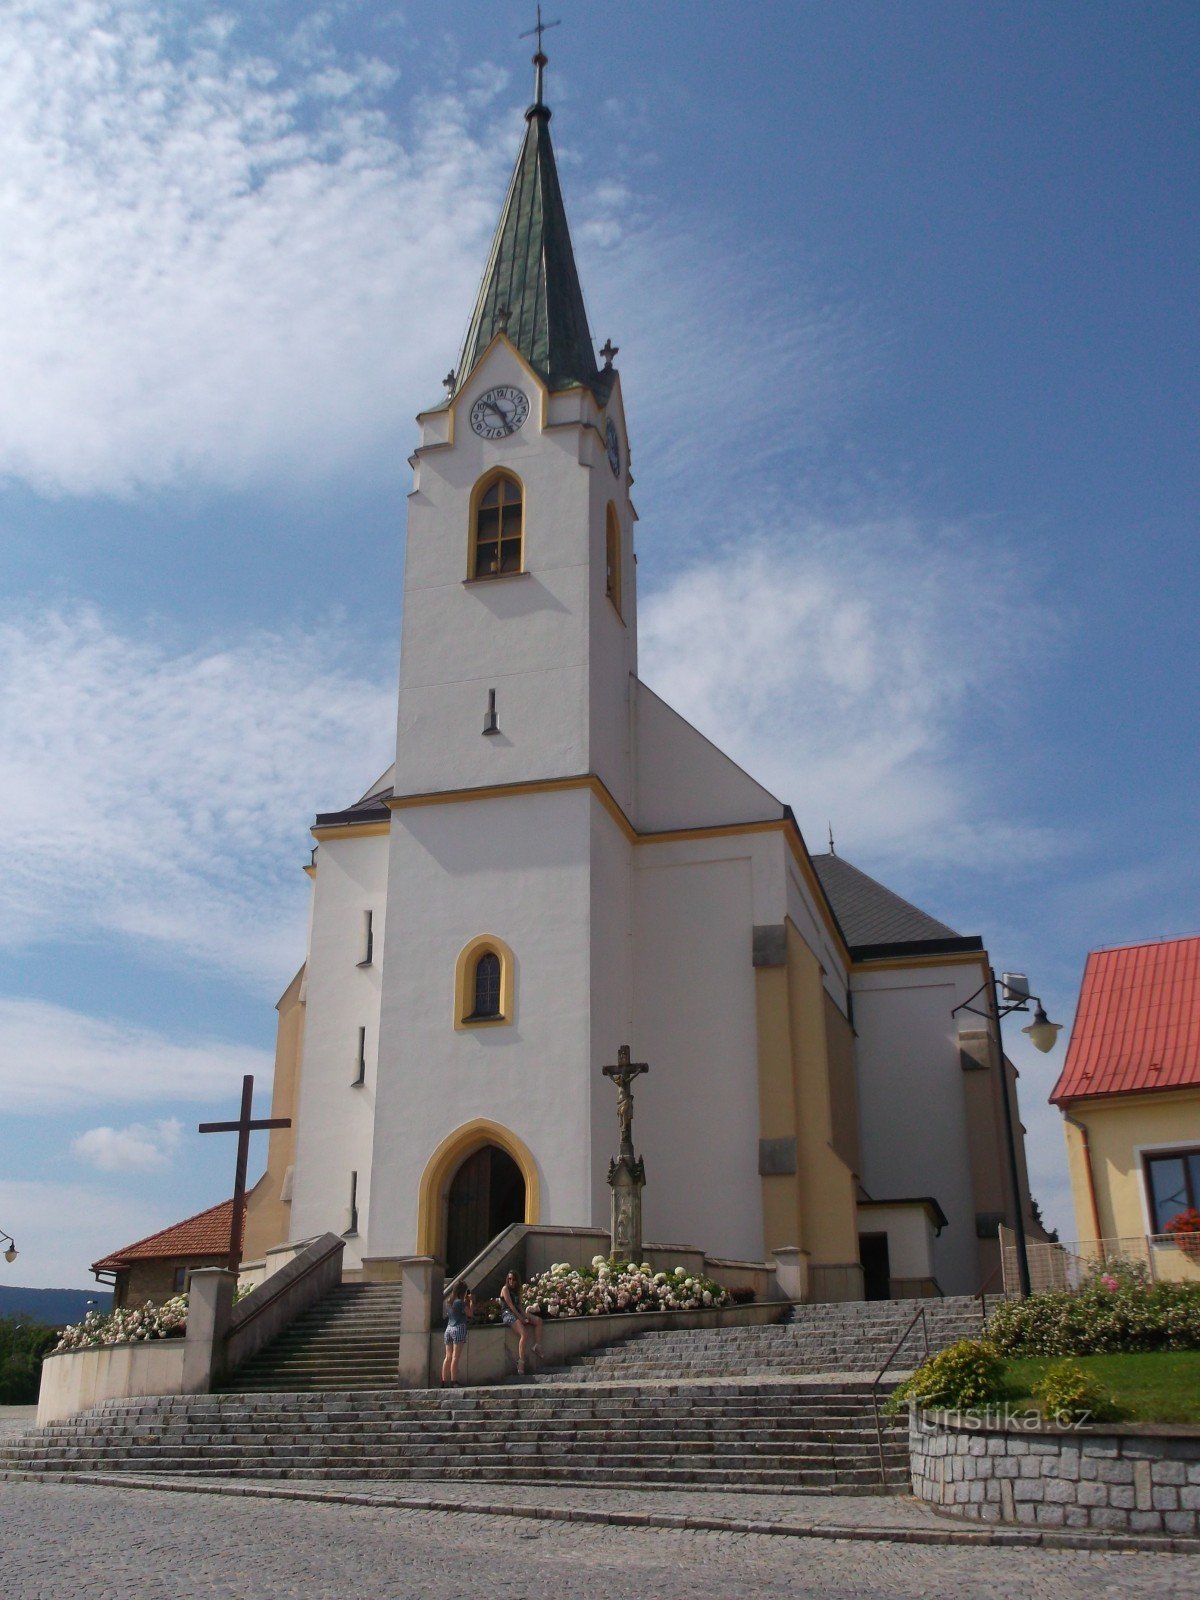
point(55, 1307)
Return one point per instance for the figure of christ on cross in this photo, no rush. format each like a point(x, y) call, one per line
point(243, 1127)
point(623, 1075)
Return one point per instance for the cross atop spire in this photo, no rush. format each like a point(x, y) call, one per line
point(540, 58)
point(530, 289)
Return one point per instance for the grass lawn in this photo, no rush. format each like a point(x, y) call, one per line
point(1154, 1386)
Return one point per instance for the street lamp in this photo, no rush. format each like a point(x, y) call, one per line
point(1042, 1034)
point(10, 1254)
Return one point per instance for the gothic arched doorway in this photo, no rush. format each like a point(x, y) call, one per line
point(486, 1195)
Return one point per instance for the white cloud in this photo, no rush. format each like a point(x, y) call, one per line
point(140, 1147)
point(163, 795)
point(851, 669)
point(54, 1059)
point(218, 267)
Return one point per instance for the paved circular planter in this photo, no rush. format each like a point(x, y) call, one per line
point(1133, 1478)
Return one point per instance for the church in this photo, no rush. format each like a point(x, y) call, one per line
point(558, 864)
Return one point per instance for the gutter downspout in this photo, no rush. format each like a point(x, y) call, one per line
point(1087, 1167)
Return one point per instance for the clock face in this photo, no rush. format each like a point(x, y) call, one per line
point(499, 412)
point(613, 446)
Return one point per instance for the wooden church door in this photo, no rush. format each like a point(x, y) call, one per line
point(486, 1195)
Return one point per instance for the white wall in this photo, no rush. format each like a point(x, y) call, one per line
point(696, 1120)
point(912, 1109)
point(526, 635)
point(334, 1125)
point(518, 868)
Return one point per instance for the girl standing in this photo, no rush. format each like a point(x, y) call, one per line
point(462, 1305)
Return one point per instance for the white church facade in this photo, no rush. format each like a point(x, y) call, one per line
point(557, 864)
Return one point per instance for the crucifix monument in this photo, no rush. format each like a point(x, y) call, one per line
point(627, 1173)
point(243, 1127)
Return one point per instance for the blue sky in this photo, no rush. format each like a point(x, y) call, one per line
point(905, 300)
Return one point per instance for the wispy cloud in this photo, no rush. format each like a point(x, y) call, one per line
point(163, 794)
point(140, 1147)
point(54, 1059)
point(842, 665)
point(219, 267)
point(60, 1227)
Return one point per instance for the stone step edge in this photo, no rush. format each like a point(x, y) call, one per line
point(1019, 1538)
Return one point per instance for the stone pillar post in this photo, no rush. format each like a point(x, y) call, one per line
point(210, 1308)
point(420, 1306)
point(791, 1273)
point(626, 1178)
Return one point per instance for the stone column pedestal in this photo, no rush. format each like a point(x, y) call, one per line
point(626, 1179)
point(420, 1305)
point(792, 1273)
point(210, 1308)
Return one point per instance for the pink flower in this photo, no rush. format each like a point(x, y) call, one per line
point(1110, 1283)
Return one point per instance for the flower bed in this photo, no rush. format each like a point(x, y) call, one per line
point(609, 1286)
point(128, 1325)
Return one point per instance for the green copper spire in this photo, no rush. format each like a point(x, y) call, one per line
point(530, 288)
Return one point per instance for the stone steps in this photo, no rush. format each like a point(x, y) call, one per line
point(349, 1341)
point(776, 1435)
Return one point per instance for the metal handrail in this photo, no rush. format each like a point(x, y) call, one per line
point(918, 1316)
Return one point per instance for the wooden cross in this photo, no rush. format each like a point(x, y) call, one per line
point(243, 1127)
point(623, 1075)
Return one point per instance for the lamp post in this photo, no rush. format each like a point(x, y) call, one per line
point(1042, 1034)
point(10, 1254)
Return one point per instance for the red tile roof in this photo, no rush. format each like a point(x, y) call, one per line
point(1138, 1023)
point(205, 1234)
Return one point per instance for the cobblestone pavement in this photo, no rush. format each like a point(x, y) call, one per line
point(78, 1542)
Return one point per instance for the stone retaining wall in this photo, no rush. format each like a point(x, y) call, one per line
point(1132, 1479)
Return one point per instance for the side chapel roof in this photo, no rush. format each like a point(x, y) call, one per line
point(205, 1234)
point(876, 921)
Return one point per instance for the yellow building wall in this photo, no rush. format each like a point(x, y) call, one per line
point(268, 1214)
point(1119, 1129)
point(807, 1093)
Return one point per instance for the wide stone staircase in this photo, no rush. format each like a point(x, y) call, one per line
point(772, 1436)
point(779, 1408)
point(348, 1340)
point(849, 1337)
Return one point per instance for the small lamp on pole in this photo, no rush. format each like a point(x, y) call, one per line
point(1012, 994)
point(10, 1254)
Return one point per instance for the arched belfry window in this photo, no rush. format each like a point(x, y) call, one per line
point(484, 983)
point(612, 557)
point(497, 527)
point(487, 987)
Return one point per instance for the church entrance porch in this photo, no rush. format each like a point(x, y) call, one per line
point(486, 1195)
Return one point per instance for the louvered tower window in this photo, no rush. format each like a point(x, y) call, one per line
point(497, 534)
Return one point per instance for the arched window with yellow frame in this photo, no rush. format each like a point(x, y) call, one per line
point(497, 527)
point(612, 557)
point(484, 983)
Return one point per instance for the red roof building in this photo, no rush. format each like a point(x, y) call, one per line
point(156, 1267)
point(1130, 1093)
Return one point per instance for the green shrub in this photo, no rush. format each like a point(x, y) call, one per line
point(23, 1343)
point(1067, 1394)
point(964, 1375)
point(1117, 1309)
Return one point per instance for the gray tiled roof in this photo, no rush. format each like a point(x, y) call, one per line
point(870, 914)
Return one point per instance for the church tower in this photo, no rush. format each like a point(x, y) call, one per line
point(507, 968)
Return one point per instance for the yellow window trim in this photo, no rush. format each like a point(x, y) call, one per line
point(445, 1162)
point(464, 983)
point(477, 493)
